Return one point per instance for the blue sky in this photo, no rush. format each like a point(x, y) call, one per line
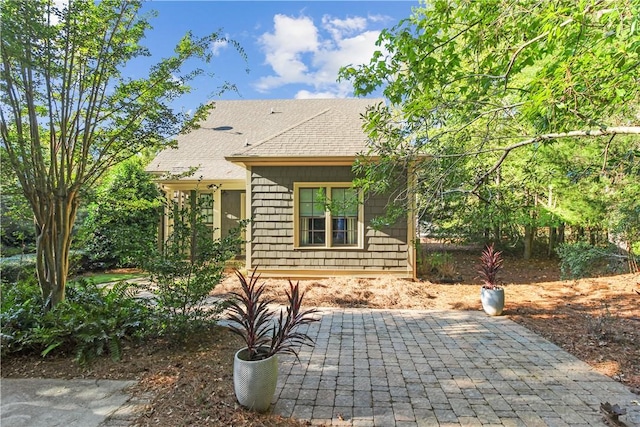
point(294, 48)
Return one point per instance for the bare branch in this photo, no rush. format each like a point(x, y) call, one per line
point(617, 130)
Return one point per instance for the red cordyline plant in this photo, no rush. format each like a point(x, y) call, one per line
point(490, 263)
point(264, 334)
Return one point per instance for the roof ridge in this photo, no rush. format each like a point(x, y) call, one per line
point(262, 141)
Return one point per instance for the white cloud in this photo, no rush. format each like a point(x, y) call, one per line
point(218, 46)
point(305, 94)
point(299, 52)
point(292, 37)
point(354, 50)
point(339, 28)
point(380, 18)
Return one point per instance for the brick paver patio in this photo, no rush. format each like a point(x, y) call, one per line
point(440, 368)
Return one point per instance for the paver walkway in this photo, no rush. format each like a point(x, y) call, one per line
point(448, 368)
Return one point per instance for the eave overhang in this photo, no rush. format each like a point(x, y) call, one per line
point(292, 161)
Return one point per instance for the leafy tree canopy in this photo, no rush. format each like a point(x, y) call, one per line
point(68, 113)
point(470, 82)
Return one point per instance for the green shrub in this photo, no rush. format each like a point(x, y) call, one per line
point(441, 264)
point(92, 321)
point(18, 267)
point(21, 312)
point(9, 251)
point(181, 285)
point(100, 318)
point(120, 227)
point(579, 259)
point(187, 269)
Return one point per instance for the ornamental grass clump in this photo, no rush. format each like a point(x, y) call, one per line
point(264, 333)
point(490, 263)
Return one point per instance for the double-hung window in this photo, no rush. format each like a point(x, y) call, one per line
point(327, 215)
point(312, 213)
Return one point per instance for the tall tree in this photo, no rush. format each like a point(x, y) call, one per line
point(471, 82)
point(68, 112)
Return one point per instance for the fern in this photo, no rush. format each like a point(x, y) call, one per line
point(92, 322)
point(115, 349)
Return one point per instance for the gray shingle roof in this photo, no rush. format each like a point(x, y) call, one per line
point(267, 128)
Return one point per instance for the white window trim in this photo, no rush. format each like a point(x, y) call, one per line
point(328, 223)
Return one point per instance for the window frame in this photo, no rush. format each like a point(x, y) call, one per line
point(327, 186)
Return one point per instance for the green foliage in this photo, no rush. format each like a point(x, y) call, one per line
point(17, 234)
point(18, 267)
point(105, 318)
point(579, 259)
point(120, 228)
point(92, 322)
point(512, 114)
point(21, 311)
point(189, 266)
point(622, 194)
point(441, 263)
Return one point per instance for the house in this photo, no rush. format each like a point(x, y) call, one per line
point(287, 165)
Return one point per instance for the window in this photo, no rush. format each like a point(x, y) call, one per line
point(184, 201)
point(313, 225)
point(327, 215)
point(344, 218)
point(206, 208)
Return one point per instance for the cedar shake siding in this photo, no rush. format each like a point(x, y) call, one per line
point(272, 226)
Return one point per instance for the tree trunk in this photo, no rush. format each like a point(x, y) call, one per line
point(54, 221)
point(560, 238)
point(553, 237)
point(529, 233)
point(497, 232)
point(497, 229)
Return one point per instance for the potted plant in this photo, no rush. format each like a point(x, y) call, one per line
point(491, 295)
point(266, 334)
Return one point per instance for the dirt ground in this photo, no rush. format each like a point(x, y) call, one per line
point(190, 381)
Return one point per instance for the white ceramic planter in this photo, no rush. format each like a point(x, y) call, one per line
point(255, 382)
point(492, 301)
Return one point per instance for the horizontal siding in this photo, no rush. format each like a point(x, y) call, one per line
point(272, 226)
